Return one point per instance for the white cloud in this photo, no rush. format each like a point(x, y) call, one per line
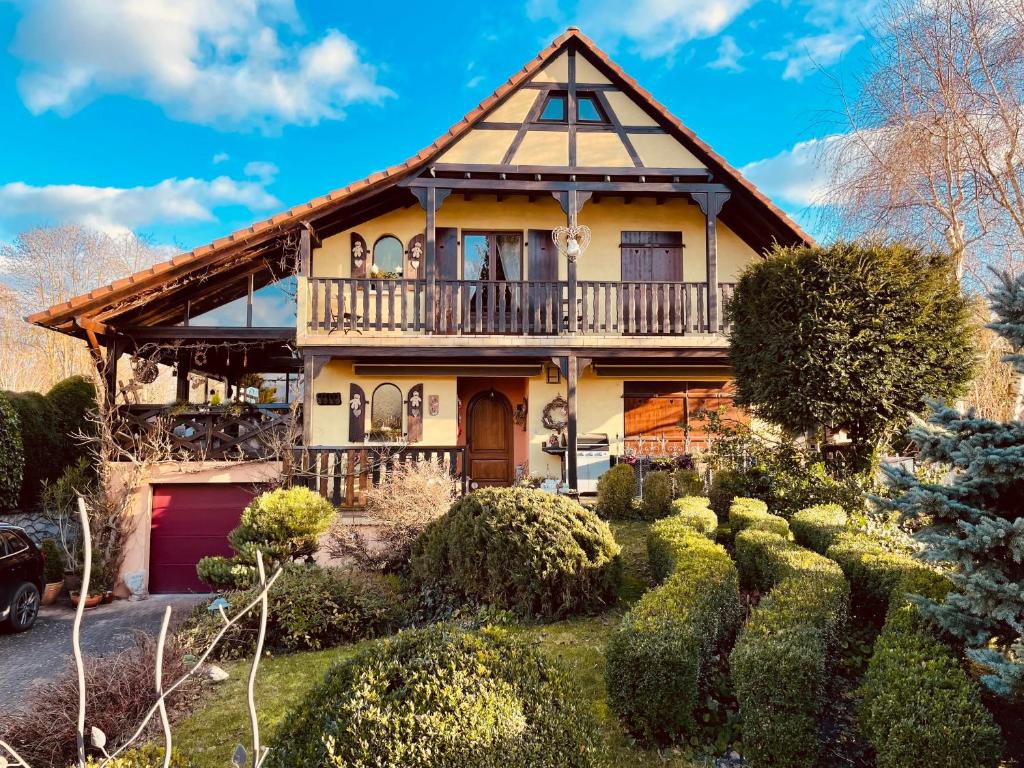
point(119, 210)
point(263, 170)
point(220, 157)
point(224, 63)
point(810, 53)
point(729, 55)
point(655, 27)
point(796, 176)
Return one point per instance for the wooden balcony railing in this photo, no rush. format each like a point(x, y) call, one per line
point(526, 307)
point(343, 473)
point(210, 433)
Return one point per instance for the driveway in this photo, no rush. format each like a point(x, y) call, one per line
point(39, 655)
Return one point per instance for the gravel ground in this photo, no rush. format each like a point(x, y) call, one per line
point(37, 656)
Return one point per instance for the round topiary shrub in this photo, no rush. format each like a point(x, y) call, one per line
point(657, 496)
point(440, 698)
point(523, 550)
point(12, 457)
point(72, 399)
point(687, 482)
point(616, 490)
point(310, 608)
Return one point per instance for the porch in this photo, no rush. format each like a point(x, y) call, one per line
point(525, 307)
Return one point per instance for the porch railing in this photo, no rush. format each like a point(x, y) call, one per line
point(210, 432)
point(343, 473)
point(525, 307)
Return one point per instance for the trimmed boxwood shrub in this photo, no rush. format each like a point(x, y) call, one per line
point(919, 708)
point(40, 441)
point(72, 399)
point(440, 698)
point(695, 511)
point(616, 490)
point(817, 527)
point(658, 657)
point(12, 457)
point(523, 550)
point(781, 660)
point(752, 514)
point(657, 496)
point(873, 572)
point(311, 608)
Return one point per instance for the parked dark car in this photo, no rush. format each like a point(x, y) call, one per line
point(21, 578)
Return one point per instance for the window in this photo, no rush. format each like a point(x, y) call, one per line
point(386, 414)
point(668, 417)
point(388, 256)
point(588, 110)
point(492, 256)
point(554, 110)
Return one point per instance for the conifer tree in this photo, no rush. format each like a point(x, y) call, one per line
point(974, 521)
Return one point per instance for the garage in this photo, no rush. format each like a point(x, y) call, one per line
point(189, 522)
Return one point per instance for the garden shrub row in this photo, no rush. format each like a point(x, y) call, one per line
point(658, 658)
point(752, 514)
point(817, 527)
point(781, 660)
point(523, 550)
point(696, 512)
point(919, 708)
point(440, 698)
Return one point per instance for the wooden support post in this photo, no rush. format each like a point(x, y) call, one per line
point(572, 376)
point(248, 302)
point(572, 216)
point(305, 256)
point(711, 204)
point(307, 399)
point(184, 368)
point(430, 238)
point(109, 371)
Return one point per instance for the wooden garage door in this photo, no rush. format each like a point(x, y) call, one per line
point(191, 521)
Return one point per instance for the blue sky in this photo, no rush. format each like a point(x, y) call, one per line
point(182, 120)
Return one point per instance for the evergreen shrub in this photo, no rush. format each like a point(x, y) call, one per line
point(616, 490)
point(657, 496)
point(780, 663)
point(73, 399)
point(53, 563)
point(311, 608)
point(440, 698)
point(523, 550)
point(695, 511)
point(686, 482)
point(12, 456)
point(817, 527)
point(745, 513)
point(658, 658)
point(40, 441)
point(873, 572)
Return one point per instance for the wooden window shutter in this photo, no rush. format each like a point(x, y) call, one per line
point(447, 253)
point(542, 261)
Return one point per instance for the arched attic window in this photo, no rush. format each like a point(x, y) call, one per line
point(388, 257)
point(386, 414)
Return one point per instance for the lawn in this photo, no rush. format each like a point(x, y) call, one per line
point(210, 734)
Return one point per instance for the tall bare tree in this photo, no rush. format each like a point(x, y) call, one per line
point(46, 266)
point(933, 146)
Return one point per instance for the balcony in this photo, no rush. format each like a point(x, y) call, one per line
point(529, 307)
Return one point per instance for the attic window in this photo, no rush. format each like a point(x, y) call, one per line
point(554, 109)
point(588, 110)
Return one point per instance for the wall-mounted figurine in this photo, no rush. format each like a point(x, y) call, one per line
point(434, 405)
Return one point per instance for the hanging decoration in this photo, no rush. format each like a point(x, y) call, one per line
point(359, 255)
point(556, 414)
point(414, 410)
point(416, 257)
point(357, 415)
point(144, 369)
point(572, 241)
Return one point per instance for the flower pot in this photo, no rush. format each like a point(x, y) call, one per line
point(108, 597)
point(90, 602)
point(52, 591)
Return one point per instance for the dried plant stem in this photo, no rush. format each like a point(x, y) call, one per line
point(251, 690)
point(12, 753)
point(76, 630)
point(164, 721)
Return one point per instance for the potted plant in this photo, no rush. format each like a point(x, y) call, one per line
point(53, 572)
point(97, 583)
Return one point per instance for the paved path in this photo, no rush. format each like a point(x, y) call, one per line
point(39, 655)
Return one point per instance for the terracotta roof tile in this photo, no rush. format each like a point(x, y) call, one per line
point(61, 313)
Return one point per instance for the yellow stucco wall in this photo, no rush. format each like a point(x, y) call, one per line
point(602, 150)
point(330, 422)
point(515, 109)
point(660, 150)
point(607, 220)
point(557, 71)
point(484, 147)
point(543, 148)
point(587, 74)
point(627, 110)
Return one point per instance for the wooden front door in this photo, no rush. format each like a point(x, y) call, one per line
point(489, 440)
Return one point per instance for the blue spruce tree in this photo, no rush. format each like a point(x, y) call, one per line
point(974, 523)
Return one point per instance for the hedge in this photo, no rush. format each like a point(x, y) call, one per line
point(41, 443)
point(658, 658)
point(523, 550)
point(12, 457)
point(440, 698)
point(73, 399)
point(746, 513)
point(817, 527)
point(781, 660)
point(919, 708)
point(696, 512)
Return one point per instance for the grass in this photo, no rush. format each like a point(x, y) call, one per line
point(209, 735)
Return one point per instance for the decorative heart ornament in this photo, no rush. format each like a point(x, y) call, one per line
point(571, 241)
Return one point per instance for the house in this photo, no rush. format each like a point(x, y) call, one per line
point(550, 273)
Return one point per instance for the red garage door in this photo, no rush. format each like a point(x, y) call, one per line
point(190, 522)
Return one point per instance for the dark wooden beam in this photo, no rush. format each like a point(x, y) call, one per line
point(213, 333)
point(467, 354)
point(559, 170)
point(531, 117)
point(619, 130)
point(572, 380)
point(564, 86)
point(182, 385)
point(711, 204)
point(512, 186)
point(570, 106)
point(447, 369)
point(564, 127)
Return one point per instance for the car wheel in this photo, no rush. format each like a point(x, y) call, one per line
point(24, 607)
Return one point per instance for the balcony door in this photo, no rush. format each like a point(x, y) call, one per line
point(490, 261)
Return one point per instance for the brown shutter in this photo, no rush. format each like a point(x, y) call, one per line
point(651, 256)
point(543, 256)
point(447, 253)
point(359, 255)
point(416, 248)
point(414, 409)
point(357, 415)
